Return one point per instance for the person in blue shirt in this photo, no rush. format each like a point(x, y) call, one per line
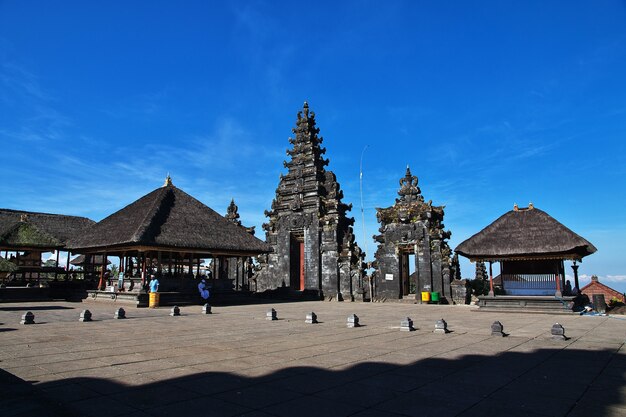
point(204, 289)
point(154, 284)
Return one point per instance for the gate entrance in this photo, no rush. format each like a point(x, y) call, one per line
point(407, 271)
point(296, 261)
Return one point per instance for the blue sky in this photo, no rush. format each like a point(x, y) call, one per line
point(490, 103)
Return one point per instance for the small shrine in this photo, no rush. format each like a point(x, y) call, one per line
point(238, 269)
point(308, 228)
point(411, 228)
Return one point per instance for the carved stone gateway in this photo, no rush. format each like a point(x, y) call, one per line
point(412, 228)
point(308, 229)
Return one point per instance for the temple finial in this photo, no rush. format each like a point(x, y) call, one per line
point(515, 207)
point(530, 206)
point(168, 181)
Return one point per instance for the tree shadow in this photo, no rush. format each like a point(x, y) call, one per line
point(35, 308)
point(555, 382)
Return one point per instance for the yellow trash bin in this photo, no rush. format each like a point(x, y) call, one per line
point(425, 296)
point(153, 301)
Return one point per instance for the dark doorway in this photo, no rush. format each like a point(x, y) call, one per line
point(407, 273)
point(296, 261)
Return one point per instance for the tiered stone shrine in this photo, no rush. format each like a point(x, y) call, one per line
point(411, 227)
point(308, 229)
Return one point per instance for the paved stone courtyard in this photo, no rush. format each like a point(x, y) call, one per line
point(234, 362)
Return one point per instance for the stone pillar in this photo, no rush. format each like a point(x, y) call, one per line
point(346, 285)
point(435, 262)
point(425, 262)
point(330, 261)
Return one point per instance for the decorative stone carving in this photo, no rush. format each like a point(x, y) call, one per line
point(558, 332)
point(308, 227)
point(412, 227)
point(441, 327)
point(120, 313)
point(497, 329)
point(85, 315)
point(406, 325)
point(311, 318)
point(175, 311)
point(271, 315)
point(353, 321)
point(28, 318)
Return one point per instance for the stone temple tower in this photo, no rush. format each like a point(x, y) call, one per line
point(412, 228)
point(308, 229)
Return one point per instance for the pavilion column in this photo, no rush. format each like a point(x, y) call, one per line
point(57, 264)
point(159, 269)
point(67, 264)
point(191, 265)
point(558, 292)
point(104, 262)
point(236, 273)
point(491, 292)
point(143, 269)
point(418, 284)
point(198, 267)
point(575, 268)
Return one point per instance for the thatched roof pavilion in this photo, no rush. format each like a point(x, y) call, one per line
point(29, 234)
point(531, 246)
point(167, 222)
point(525, 234)
point(26, 230)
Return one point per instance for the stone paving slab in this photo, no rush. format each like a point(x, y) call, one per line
point(236, 363)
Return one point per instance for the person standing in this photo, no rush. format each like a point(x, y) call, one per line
point(203, 289)
point(154, 284)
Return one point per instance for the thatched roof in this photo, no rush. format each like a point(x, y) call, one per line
point(82, 260)
point(22, 230)
point(527, 233)
point(167, 219)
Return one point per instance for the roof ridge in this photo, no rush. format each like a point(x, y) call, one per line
point(144, 225)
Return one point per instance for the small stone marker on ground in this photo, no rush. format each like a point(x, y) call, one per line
point(558, 332)
point(497, 329)
point(206, 309)
point(441, 327)
point(175, 311)
point(120, 313)
point(85, 315)
point(406, 325)
point(353, 321)
point(28, 318)
point(311, 318)
point(271, 315)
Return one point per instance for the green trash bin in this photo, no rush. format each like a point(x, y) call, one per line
point(434, 297)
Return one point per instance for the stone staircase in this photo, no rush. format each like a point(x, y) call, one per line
point(535, 304)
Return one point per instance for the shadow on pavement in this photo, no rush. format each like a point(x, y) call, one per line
point(35, 308)
point(544, 382)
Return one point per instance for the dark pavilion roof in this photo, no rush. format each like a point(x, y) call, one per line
point(22, 230)
point(82, 260)
point(171, 220)
point(525, 233)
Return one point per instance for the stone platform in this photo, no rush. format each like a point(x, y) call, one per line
point(528, 303)
point(235, 362)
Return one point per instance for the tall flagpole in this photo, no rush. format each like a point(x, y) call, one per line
point(363, 218)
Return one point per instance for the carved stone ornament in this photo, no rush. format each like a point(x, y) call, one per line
point(296, 221)
point(296, 204)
